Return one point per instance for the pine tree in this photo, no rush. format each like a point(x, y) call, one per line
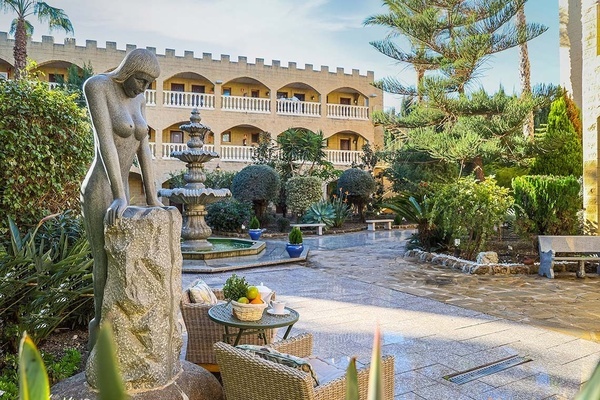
point(452, 39)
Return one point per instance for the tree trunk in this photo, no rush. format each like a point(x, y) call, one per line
point(20, 49)
point(478, 167)
point(525, 73)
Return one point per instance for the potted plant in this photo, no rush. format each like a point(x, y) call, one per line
point(254, 228)
point(295, 246)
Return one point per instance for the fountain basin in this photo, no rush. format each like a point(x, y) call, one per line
point(226, 247)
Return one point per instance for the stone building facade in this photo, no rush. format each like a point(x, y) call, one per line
point(580, 75)
point(238, 99)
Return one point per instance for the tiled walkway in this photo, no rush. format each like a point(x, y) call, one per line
point(437, 321)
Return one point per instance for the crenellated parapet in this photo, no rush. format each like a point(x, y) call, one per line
point(49, 50)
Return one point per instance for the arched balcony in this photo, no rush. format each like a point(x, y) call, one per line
point(245, 94)
point(298, 99)
point(238, 143)
point(187, 90)
point(347, 103)
point(345, 148)
point(6, 69)
point(174, 139)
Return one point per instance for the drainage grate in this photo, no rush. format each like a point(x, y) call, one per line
point(485, 370)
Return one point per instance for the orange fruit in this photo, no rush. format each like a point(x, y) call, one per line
point(257, 300)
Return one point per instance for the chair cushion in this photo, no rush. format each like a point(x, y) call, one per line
point(281, 358)
point(201, 293)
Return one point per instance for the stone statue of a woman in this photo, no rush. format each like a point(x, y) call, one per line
point(117, 107)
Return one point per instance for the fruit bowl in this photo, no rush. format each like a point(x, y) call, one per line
point(248, 312)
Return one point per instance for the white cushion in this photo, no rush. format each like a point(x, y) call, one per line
point(201, 293)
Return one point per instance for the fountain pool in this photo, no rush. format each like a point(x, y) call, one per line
point(226, 247)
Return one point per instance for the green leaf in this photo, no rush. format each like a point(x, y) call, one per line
point(591, 390)
point(109, 380)
point(375, 391)
point(352, 381)
point(33, 379)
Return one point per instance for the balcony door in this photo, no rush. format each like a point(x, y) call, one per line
point(344, 144)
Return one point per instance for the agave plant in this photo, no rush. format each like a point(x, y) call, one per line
point(43, 285)
point(321, 212)
point(342, 209)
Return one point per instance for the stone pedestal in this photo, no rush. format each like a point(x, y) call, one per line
point(141, 301)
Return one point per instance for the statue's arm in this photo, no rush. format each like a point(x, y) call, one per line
point(95, 90)
point(144, 156)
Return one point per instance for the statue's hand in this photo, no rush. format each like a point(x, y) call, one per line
point(115, 210)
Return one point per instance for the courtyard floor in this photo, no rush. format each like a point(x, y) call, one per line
point(435, 321)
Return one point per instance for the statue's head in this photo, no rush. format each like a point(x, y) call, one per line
point(137, 61)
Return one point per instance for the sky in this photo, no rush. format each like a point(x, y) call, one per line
point(317, 32)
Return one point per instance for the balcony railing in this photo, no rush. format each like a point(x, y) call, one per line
point(204, 101)
point(150, 97)
point(343, 157)
point(168, 148)
point(257, 105)
point(342, 111)
point(302, 108)
point(244, 153)
point(246, 104)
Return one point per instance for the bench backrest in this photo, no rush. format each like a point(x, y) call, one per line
point(569, 244)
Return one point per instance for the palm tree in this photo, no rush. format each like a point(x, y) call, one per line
point(525, 70)
point(22, 28)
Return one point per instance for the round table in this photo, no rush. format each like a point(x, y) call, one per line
point(222, 314)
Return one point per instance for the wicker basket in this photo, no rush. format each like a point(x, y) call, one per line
point(248, 312)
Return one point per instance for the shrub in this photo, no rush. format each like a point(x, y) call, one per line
point(321, 212)
point(470, 210)
point(283, 224)
point(254, 223)
point(257, 184)
point(47, 148)
point(295, 236)
point(560, 150)
point(547, 205)
point(219, 179)
point(45, 283)
point(358, 185)
point(302, 191)
point(228, 215)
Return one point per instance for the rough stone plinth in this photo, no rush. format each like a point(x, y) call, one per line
point(141, 297)
point(192, 383)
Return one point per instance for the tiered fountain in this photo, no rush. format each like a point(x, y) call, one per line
point(195, 196)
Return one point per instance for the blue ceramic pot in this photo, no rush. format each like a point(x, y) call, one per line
point(254, 233)
point(294, 250)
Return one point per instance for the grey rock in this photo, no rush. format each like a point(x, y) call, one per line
point(142, 295)
point(487, 257)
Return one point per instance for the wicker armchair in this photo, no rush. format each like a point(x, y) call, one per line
point(248, 377)
point(203, 333)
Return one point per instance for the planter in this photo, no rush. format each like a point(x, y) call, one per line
point(254, 233)
point(294, 250)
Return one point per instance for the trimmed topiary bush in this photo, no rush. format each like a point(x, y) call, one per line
point(257, 184)
point(228, 215)
point(295, 236)
point(560, 150)
point(547, 205)
point(47, 147)
point(358, 185)
point(301, 192)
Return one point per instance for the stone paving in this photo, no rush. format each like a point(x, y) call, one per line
point(437, 321)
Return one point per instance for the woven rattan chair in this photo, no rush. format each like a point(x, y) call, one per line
point(246, 376)
point(203, 333)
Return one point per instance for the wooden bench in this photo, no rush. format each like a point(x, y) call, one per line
point(580, 248)
point(318, 226)
point(371, 223)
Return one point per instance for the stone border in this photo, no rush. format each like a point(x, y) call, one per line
point(471, 267)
